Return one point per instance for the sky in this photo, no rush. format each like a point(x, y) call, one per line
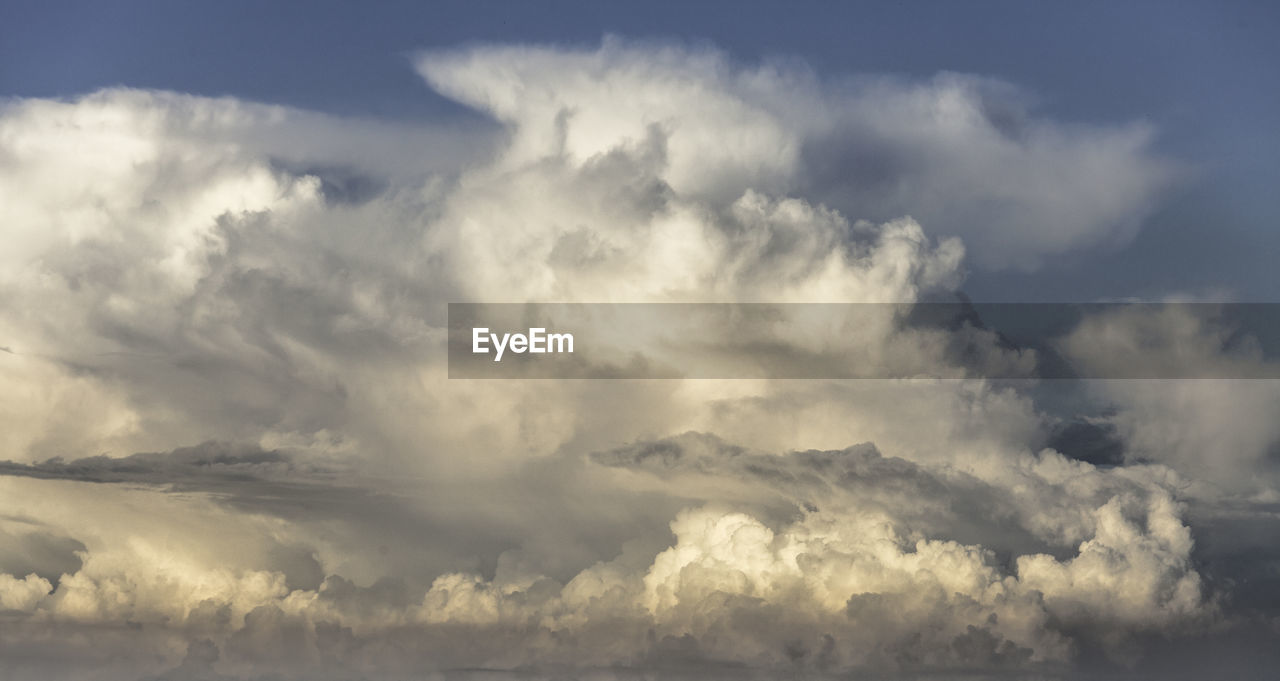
point(232, 448)
point(1198, 72)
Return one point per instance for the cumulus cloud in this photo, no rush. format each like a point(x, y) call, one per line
point(272, 283)
point(801, 590)
point(965, 155)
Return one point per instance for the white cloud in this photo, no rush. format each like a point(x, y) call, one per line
point(183, 269)
point(22, 594)
point(962, 154)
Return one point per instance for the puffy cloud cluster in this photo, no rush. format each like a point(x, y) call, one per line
point(184, 270)
point(141, 228)
point(23, 594)
point(964, 155)
point(837, 561)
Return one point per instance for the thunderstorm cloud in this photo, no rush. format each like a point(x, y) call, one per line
point(230, 448)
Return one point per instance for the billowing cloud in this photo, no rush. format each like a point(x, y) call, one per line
point(965, 155)
point(852, 586)
point(272, 283)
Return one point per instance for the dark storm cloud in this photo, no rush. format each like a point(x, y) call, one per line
point(210, 463)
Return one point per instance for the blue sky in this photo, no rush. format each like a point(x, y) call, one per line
point(1201, 73)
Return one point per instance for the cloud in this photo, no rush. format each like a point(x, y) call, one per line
point(272, 283)
point(965, 155)
point(23, 594)
point(211, 462)
point(29, 548)
point(855, 547)
point(1213, 429)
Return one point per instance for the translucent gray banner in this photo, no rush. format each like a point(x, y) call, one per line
point(864, 340)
